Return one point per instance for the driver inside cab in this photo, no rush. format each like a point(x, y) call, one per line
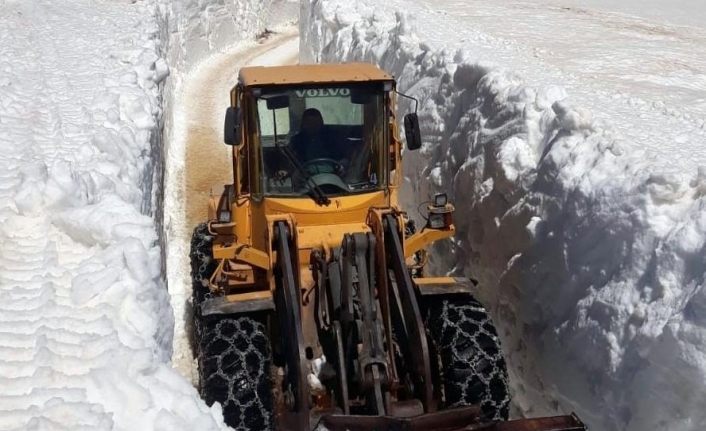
point(314, 140)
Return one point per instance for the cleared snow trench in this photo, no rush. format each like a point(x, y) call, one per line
point(198, 164)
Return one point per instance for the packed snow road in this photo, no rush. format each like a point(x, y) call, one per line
point(199, 164)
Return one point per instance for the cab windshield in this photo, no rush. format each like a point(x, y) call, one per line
point(329, 138)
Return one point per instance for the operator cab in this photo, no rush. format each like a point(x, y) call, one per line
point(333, 136)
point(315, 130)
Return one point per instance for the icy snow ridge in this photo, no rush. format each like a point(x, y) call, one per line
point(588, 236)
point(85, 322)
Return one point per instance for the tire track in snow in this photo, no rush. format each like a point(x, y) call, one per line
point(199, 164)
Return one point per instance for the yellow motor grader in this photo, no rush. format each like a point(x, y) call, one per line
point(311, 305)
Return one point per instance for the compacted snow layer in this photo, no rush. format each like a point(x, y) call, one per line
point(85, 322)
point(580, 199)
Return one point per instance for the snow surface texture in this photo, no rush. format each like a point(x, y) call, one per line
point(85, 322)
point(584, 219)
point(674, 12)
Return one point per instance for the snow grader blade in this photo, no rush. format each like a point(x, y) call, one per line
point(311, 304)
point(459, 419)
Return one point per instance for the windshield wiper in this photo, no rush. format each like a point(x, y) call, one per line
point(317, 194)
point(280, 101)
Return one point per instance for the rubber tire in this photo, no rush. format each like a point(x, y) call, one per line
point(471, 368)
point(233, 352)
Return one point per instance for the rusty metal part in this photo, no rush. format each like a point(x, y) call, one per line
point(342, 372)
point(230, 275)
point(239, 303)
point(383, 291)
point(327, 305)
point(320, 275)
point(364, 353)
point(406, 409)
point(454, 419)
point(297, 388)
point(556, 423)
point(458, 419)
point(404, 295)
point(371, 358)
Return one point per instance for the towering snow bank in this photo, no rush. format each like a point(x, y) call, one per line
point(591, 249)
point(85, 322)
point(199, 28)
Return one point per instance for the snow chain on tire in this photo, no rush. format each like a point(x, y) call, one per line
point(233, 352)
point(471, 364)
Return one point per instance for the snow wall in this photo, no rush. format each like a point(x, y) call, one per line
point(592, 266)
point(85, 321)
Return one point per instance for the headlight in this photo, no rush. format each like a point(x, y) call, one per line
point(437, 221)
point(440, 200)
point(440, 213)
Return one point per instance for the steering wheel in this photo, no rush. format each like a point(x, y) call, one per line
point(337, 167)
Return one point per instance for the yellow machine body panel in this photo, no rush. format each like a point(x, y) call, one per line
point(312, 74)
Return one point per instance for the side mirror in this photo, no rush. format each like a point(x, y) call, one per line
point(411, 132)
point(231, 127)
